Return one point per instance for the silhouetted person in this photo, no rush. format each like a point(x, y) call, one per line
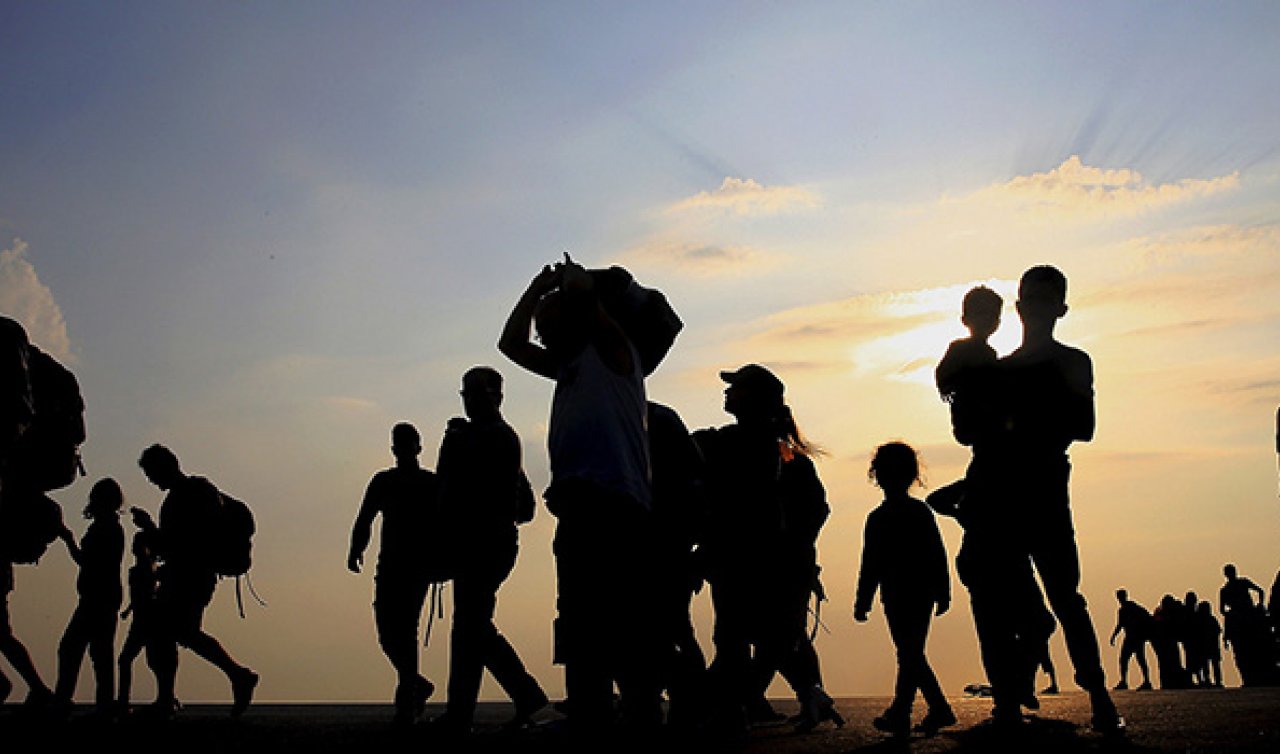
point(1245, 631)
point(1167, 627)
point(1048, 393)
point(679, 510)
point(600, 494)
point(963, 374)
point(483, 495)
point(904, 559)
point(1136, 623)
point(1011, 619)
point(766, 507)
point(13, 650)
point(93, 624)
point(1208, 633)
point(143, 581)
point(406, 495)
point(184, 541)
point(1192, 656)
point(15, 417)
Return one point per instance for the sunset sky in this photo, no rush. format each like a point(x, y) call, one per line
point(262, 233)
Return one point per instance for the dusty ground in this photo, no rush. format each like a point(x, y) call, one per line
point(1231, 720)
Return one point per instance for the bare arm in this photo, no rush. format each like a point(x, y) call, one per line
point(514, 342)
point(1079, 374)
point(362, 530)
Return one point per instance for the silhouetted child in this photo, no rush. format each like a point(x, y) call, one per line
point(961, 374)
point(93, 624)
point(904, 558)
point(142, 598)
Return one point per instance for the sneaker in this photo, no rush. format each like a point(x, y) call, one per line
point(422, 691)
point(242, 689)
point(935, 720)
point(1124, 686)
point(1146, 686)
point(893, 723)
point(818, 708)
point(526, 708)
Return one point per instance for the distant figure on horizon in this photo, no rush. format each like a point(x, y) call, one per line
point(766, 507)
point(1209, 637)
point(1167, 627)
point(600, 495)
point(93, 624)
point(408, 562)
point(484, 495)
point(1245, 629)
point(1135, 621)
point(184, 541)
point(903, 558)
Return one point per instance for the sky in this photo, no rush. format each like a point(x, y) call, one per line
point(263, 233)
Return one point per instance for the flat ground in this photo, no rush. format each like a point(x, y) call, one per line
point(1229, 720)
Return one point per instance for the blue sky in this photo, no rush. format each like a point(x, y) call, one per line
point(263, 233)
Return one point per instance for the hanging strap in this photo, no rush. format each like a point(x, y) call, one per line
point(435, 604)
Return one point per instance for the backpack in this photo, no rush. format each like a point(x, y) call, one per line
point(29, 522)
point(232, 551)
point(47, 456)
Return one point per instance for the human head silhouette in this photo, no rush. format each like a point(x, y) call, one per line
point(1042, 296)
point(406, 443)
point(1229, 570)
point(980, 311)
point(161, 466)
point(481, 392)
point(1122, 596)
point(895, 467)
point(752, 391)
point(105, 498)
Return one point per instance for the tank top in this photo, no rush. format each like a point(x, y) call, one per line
point(598, 429)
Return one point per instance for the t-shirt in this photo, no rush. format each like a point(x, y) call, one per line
point(480, 475)
point(598, 431)
point(407, 500)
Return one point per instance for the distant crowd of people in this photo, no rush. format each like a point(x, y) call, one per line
point(1187, 638)
point(647, 515)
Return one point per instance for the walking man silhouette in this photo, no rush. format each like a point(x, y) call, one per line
point(484, 495)
point(405, 495)
point(184, 541)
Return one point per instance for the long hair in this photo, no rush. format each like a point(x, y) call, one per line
point(790, 440)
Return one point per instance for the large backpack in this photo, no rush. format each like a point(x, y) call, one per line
point(47, 456)
point(233, 549)
point(29, 522)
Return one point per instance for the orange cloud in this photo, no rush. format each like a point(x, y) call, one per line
point(1076, 188)
point(744, 196)
point(703, 260)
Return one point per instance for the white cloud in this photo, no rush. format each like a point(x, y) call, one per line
point(24, 298)
point(1076, 188)
point(744, 196)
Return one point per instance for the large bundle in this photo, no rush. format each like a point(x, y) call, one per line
point(47, 456)
point(644, 314)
